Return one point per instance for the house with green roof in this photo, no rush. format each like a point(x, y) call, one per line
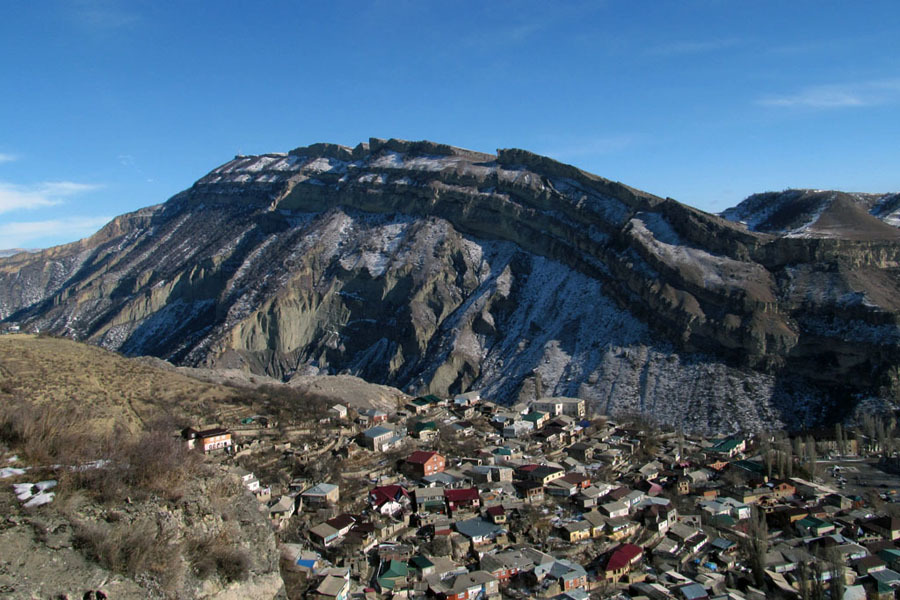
point(421, 566)
point(394, 577)
point(422, 429)
point(537, 418)
point(730, 446)
point(814, 526)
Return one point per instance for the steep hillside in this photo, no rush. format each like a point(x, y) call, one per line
point(124, 507)
point(817, 213)
point(431, 268)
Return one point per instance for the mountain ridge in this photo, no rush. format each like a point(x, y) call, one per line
point(438, 269)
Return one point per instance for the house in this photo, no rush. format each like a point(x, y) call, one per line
point(466, 400)
point(333, 588)
point(338, 411)
point(517, 429)
point(544, 474)
point(208, 440)
point(783, 489)
point(509, 563)
point(620, 528)
point(429, 500)
point(569, 575)
point(322, 494)
point(536, 418)
point(531, 491)
point(372, 416)
point(394, 576)
point(869, 564)
point(572, 407)
point(575, 531)
point(691, 591)
point(490, 474)
point(462, 499)
point(248, 480)
point(417, 406)
point(614, 509)
point(588, 497)
point(466, 586)
point(377, 438)
point(561, 487)
point(729, 447)
point(478, 531)
point(422, 463)
point(324, 535)
point(422, 566)
point(497, 514)
point(389, 499)
point(690, 538)
point(423, 430)
point(813, 526)
point(886, 527)
point(621, 561)
point(658, 518)
point(581, 451)
point(282, 510)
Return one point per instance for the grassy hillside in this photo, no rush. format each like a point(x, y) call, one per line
point(105, 388)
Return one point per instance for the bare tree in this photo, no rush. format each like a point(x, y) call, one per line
point(758, 545)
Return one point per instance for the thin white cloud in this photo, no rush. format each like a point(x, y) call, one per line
point(850, 95)
point(32, 234)
point(49, 193)
point(4, 157)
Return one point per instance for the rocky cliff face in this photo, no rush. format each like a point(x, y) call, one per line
point(432, 268)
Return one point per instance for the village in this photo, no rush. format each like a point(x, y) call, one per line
point(464, 498)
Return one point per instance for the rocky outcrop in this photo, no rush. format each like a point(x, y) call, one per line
point(213, 543)
point(432, 268)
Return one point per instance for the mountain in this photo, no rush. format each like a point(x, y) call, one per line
point(818, 213)
point(437, 269)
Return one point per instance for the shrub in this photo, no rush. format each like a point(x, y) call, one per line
point(131, 548)
point(152, 463)
point(219, 555)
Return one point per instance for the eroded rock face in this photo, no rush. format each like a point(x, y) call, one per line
point(432, 268)
point(146, 549)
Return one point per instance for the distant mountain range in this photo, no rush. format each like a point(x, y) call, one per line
point(437, 269)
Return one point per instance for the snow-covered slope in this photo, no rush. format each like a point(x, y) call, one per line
point(818, 214)
point(436, 269)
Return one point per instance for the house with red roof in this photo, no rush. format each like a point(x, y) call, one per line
point(389, 499)
point(422, 463)
point(621, 561)
point(462, 499)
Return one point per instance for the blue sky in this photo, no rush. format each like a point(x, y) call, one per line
point(110, 106)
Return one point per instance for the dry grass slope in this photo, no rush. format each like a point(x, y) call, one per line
point(105, 388)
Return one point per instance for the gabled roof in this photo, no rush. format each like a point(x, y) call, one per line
point(461, 495)
point(377, 431)
point(561, 568)
point(622, 556)
point(420, 457)
point(420, 562)
point(387, 493)
point(545, 470)
point(341, 521)
point(477, 528)
point(534, 416)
